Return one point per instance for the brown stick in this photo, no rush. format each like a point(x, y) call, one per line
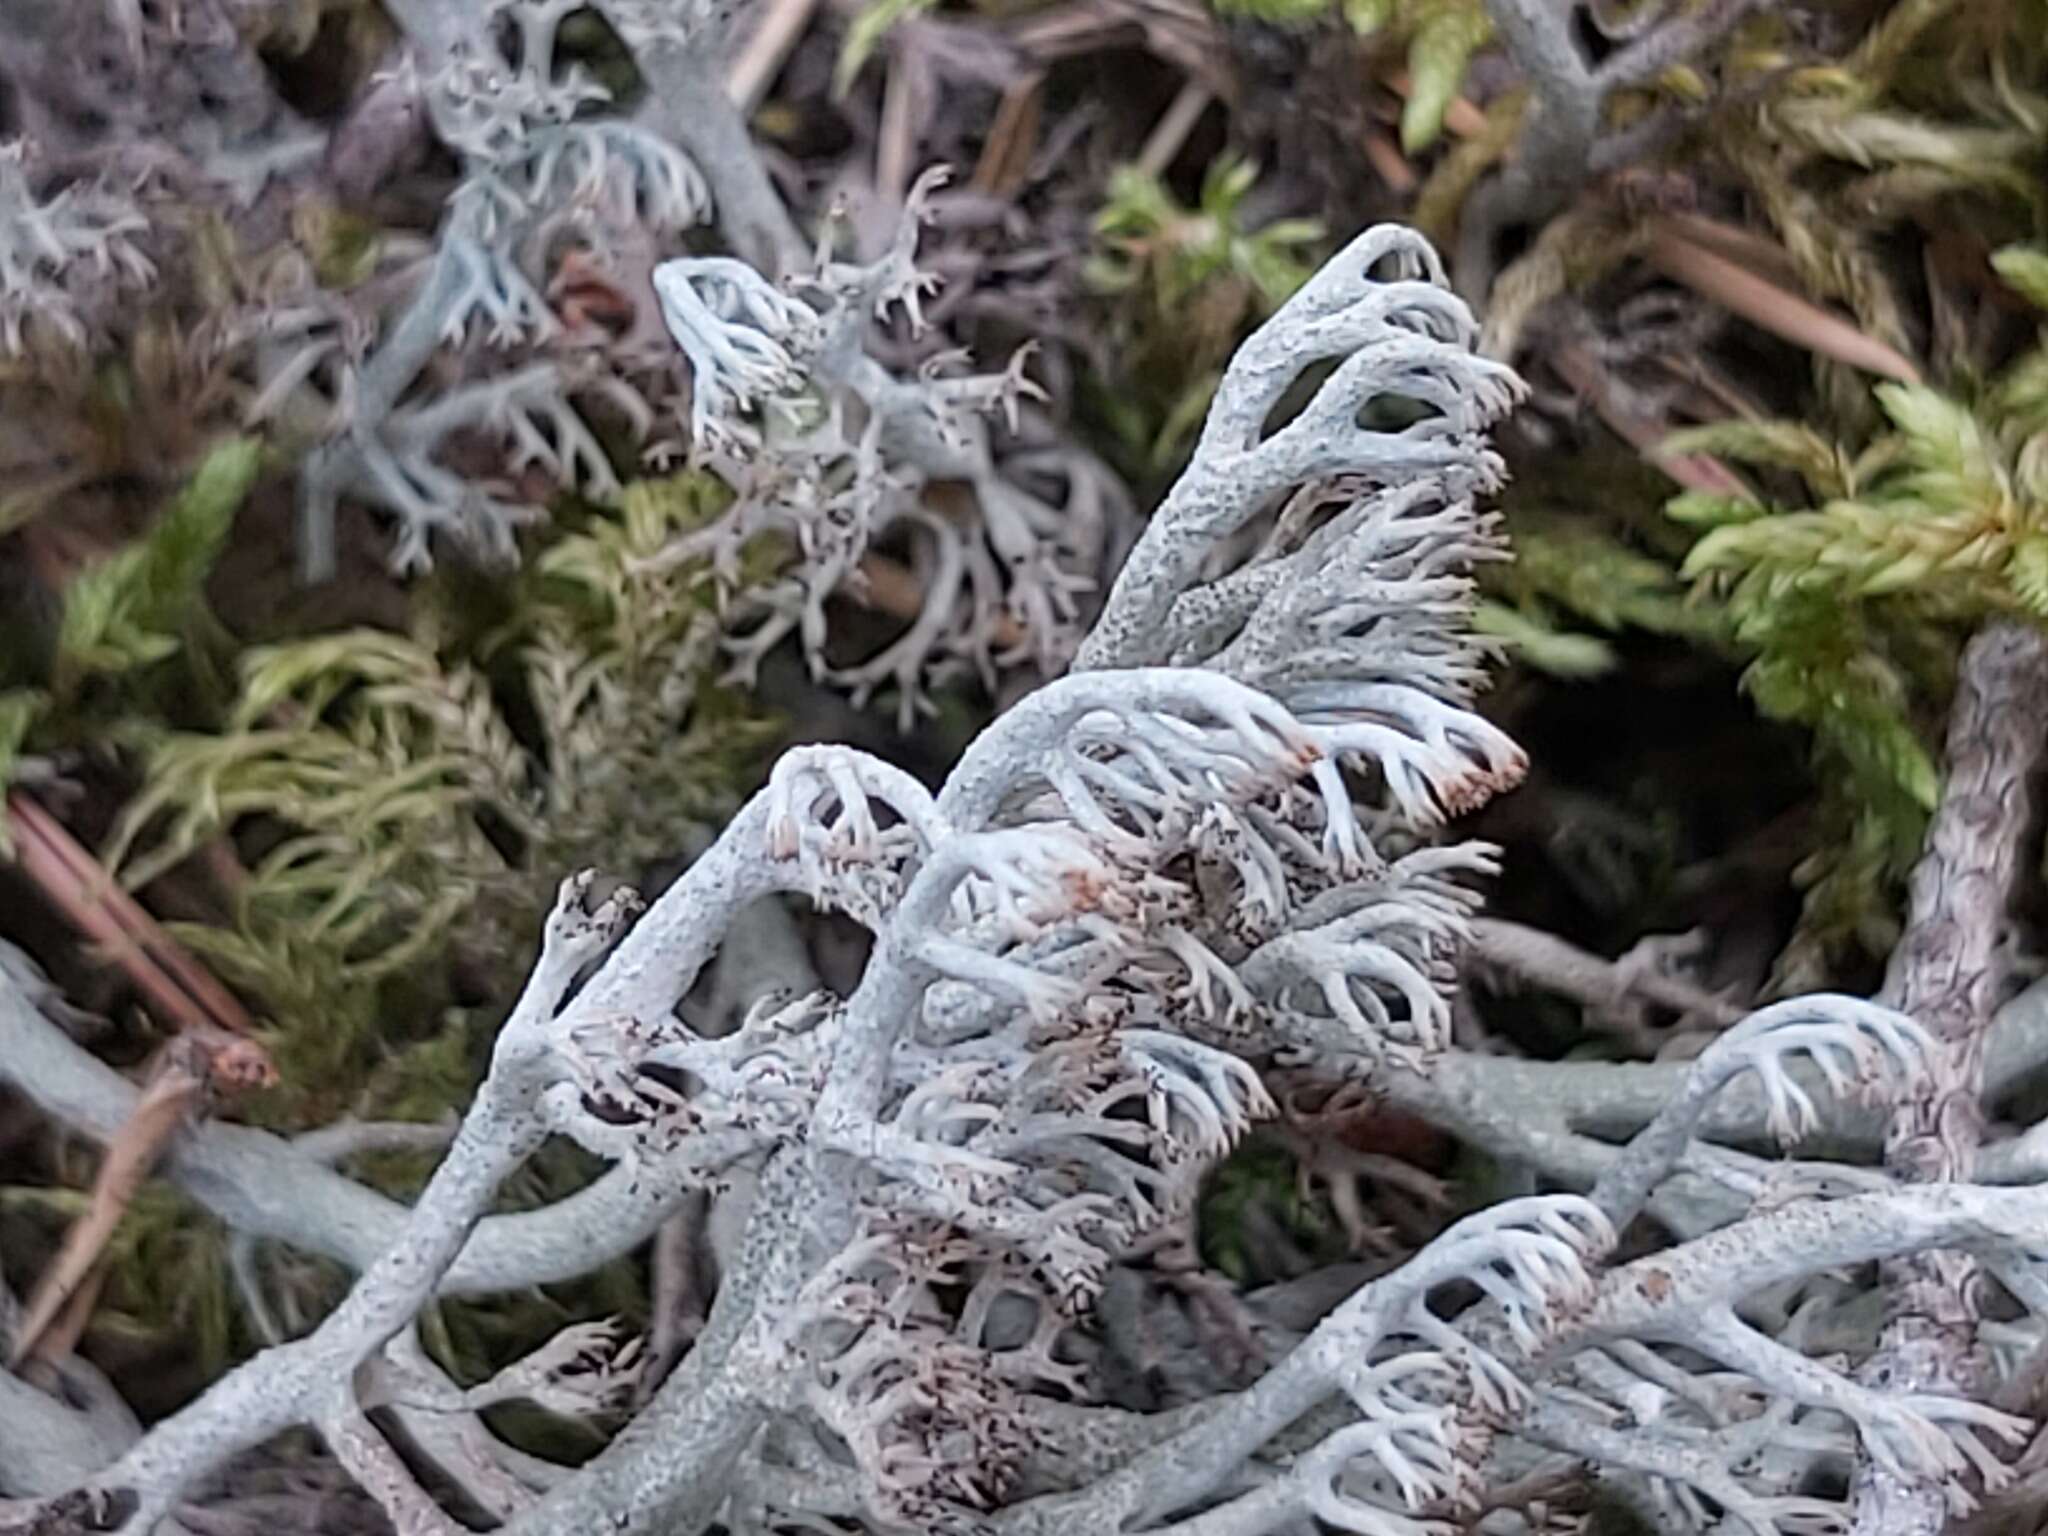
point(1163, 144)
point(775, 36)
point(162, 969)
point(1603, 986)
point(56, 1314)
point(1745, 247)
point(1387, 160)
point(1777, 310)
point(1577, 366)
point(214, 1043)
point(1012, 139)
point(1461, 118)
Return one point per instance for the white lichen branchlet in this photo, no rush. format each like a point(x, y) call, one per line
point(824, 446)
point(61, 252)
point(540, 172)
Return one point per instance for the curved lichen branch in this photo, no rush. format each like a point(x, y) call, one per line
point(1919, 1435)
point(1862, 1051)
point(1536, 1255)
point(307, 1380)
point(1406, 399)
point(539, 1052)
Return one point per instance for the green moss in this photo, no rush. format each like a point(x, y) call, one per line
point(405, 804)
point(1185, 286)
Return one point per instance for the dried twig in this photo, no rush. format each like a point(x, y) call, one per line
point(1462, 119)
point(1012, 138)
point(161, 968)
point(1163, 143)
point(1611, 991)
point(1388, 162)
point(1783, 313)
point(1577, 365)
point(56, 1313)
point(214, 1044)
point(1746, 247)
point(1180, 32)
point(904, 95)
point(775, 35)
point(892, 588)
